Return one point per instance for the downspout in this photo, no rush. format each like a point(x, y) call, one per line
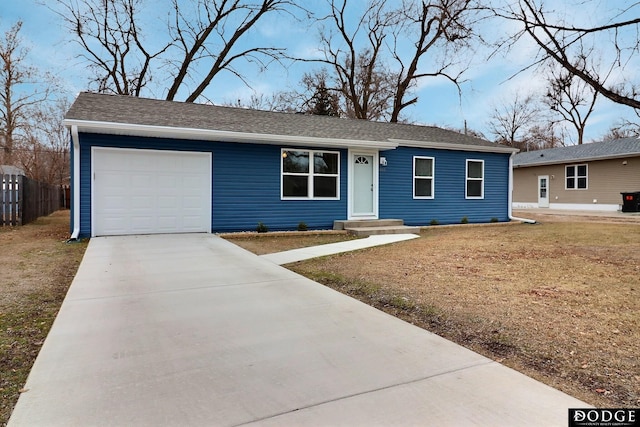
point(510, 207)
point(75, 184)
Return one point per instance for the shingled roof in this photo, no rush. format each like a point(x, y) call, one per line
point(100, 111)
point(612, 149)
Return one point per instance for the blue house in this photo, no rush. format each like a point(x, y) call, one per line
point(142, 166)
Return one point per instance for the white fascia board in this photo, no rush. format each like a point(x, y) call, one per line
point(456, 147)
point(111, 128)
point(576, 161)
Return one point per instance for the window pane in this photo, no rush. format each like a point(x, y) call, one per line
point(423, 187)
point(424, 167)
point(582, 170)
point(295, 161)
point(571, 171)
point(325, 186)
point(295, 186)
point(325, 163)
point(571, 183)
point(582, 182)
point(475, 170)
point(474, 188)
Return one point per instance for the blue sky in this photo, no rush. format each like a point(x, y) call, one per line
point(488, 82)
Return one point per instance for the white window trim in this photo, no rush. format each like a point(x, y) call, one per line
point(309, 174)
point(467, 179)
point(432, 177)
point(576, 176)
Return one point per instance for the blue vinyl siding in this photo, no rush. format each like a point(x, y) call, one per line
point(245, 187)
point(449, 204)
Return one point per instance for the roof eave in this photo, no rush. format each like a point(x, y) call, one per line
point(112, 128)
point(454, 146)
point(582, 160)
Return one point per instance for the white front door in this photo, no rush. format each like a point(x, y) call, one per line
point(363, 185)
point(543, 191)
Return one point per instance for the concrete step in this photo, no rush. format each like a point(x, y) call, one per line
point(359, 223)
point(390, 229)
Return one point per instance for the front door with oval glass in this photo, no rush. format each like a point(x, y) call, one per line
point(543, 191)
point(363, 185)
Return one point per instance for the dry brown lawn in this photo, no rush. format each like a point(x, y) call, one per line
point(36, 269)
point(558, 301)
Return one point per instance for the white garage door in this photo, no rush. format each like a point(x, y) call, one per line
point(149, 192)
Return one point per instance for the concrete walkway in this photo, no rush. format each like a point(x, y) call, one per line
point(191, 330)
point(301, 254)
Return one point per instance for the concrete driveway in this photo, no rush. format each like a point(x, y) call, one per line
point(191, 330)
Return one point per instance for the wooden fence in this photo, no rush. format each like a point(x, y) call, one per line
point(23, 200)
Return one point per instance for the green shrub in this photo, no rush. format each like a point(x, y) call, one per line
point(464, 220)
point(494, 219)
point(262, 228)
point(434, 222)
point(302, 226)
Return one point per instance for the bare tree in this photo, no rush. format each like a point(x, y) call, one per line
point(571, 45)
point(44, 153)
point(512, 120)
point(438, 31)
point(203, 38)
point(280, 101)
point(21, 89)
point(545, 134)
point(359, 74)
point(623, 129)
point(419, 38)
point(570, 98)
point(112, 41)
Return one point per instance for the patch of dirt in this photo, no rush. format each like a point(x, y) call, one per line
point(557, 301)
point(37, 268)
point(268, 243)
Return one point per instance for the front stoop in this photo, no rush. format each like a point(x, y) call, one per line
point(369, 227)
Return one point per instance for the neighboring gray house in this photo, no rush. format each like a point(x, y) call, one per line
point(580, 177)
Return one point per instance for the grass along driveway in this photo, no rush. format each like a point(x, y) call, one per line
point(556, 301)
point(37, 267)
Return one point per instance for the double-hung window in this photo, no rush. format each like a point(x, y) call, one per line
point(423, 177)
point(576, 177)
point(475, 179)
point(310, 174)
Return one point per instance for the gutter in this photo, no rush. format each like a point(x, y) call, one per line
point(111, 128)
point(510, 207)
point(75, 184)
point(454, 146)
point(578, 160)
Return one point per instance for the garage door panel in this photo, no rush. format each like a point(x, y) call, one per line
point(113, 179)
point(141, 203)
point(168, 202)
point(192, 203)
point(146, 191)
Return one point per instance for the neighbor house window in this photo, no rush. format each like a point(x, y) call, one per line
point(423, 182)
point(475, 179)
point(309, 174)
point(576, 177)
